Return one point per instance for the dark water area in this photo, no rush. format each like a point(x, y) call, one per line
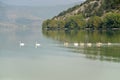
point(102, 45)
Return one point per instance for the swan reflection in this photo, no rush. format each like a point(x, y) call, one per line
point(66, 44)
point(76, 44)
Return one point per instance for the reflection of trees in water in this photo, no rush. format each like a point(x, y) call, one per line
point(111, 53)
point(106, 52)
point(71, 33)
point(85, 36)
point(110, 33)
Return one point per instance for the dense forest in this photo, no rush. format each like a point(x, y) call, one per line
point(91, 14)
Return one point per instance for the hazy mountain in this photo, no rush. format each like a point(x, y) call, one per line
point(12, 15)
point(2, 11)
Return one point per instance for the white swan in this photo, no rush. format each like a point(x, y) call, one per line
point(22, 44)
point(66, 44)
point(109, 43)
point(82, 44)
point(99, 44)
point(89, 44)
point(76, 44)
point(37, 45)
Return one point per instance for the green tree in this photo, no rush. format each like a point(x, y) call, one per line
point(45, 24)
point(94, 22)
point(111, 20)
point(71, 24)
point(76, 22)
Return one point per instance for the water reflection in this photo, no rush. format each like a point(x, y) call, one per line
point(102, 45)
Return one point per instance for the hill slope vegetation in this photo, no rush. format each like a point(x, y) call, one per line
point(91, 14)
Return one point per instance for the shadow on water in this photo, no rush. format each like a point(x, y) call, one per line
point(96, 45)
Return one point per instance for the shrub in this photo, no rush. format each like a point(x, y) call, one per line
point(111, 20)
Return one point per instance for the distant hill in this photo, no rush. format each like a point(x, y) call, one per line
point(12, 15)
point(89, 14)
point(2, 11)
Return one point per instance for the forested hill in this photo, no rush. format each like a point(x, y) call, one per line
point(89, 14)
point(91, 8)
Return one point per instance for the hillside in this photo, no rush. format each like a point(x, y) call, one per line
point(91, 8)
point(90, 14)
point(13, 15)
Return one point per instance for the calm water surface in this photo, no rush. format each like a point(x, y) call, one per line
point(54, 61)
